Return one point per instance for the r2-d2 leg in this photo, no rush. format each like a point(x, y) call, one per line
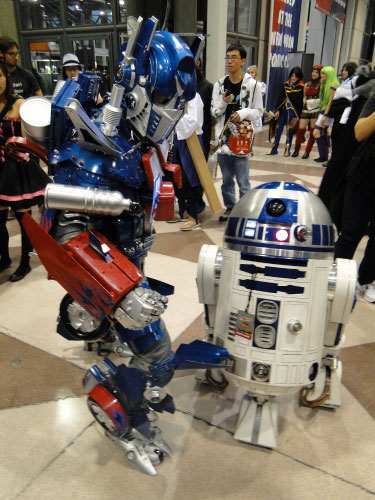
point(326, 390)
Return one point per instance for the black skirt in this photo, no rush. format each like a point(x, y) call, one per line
point(22, 184)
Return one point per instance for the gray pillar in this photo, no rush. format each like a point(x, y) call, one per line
point(217, 12)
point(185, 18)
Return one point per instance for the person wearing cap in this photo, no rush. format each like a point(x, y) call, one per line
point(71, 67)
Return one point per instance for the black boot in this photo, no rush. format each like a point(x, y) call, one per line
point(24, 267)
point(5, 261)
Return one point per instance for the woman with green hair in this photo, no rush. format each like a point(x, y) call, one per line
point(328, 85)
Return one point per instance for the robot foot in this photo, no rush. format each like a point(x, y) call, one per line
point(144, 453)
point(257, 421)
point(326, 391)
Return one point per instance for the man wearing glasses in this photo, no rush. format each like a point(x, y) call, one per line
point(24, 82)
point(236, 97)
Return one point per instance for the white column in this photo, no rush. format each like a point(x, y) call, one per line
point(303, 26)
point(217, 11)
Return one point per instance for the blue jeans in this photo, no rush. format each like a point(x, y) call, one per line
point(233, 166)
point(285, 118)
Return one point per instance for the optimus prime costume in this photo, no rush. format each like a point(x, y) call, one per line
point(98, 228)
point(276, 300)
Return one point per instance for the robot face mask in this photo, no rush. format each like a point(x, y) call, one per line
point(153, 100)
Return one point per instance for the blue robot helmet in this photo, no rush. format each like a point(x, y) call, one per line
point(171, 55)
point(157, 71)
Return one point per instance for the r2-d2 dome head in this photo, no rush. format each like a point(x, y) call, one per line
point(157, 70)
point(281, 219)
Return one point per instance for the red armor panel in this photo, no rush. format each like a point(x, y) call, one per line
point(95, 284)
point(111, 406)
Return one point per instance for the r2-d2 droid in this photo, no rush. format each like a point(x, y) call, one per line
point(276, 300)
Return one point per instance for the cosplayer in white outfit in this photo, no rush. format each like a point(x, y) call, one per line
point(191, 192)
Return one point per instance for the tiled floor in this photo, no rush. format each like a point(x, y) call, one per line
point(51, 449)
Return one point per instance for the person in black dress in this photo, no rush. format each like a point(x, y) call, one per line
point(22, 182)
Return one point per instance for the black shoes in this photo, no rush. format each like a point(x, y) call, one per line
point(320, 160)
point(226, 214)
point(305, 156)
point(295, 154)
point(4, 264)
point(20, 273)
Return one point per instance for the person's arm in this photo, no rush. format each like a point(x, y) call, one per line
point(365, 125)
point(38, 92)
point(218, 104)
point(254, 111)
point(189, 121)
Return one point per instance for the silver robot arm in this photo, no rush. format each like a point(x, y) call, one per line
point(208, 277)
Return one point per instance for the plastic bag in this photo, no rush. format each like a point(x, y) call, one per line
point(257, 125)
point(212, 164)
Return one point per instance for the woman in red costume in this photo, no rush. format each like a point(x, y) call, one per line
point(310, 112)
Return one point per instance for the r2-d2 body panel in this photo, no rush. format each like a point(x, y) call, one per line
point(272, 303)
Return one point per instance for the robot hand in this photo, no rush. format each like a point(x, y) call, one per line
point(141, 307)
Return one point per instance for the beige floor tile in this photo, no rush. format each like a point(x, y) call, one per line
point(183, 307)
point(329, 439)
point(93, 468)
point(33, 436)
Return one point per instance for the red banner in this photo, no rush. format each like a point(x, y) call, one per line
point(333, 8)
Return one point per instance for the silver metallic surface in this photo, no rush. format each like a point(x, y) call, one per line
point(35, 115)
point(144, 453)
point(80, 319)
point(128, 56)
point(310, 209)
point(92, 201)
point(140, 307)
point(305, 233)
point(218, 265)
point(81, 122)
point(294, 326)
point(112, 112)
point(279, 252)
point(155, 394)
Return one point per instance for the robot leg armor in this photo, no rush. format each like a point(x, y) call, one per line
point(116, 400)
point(153, 355)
